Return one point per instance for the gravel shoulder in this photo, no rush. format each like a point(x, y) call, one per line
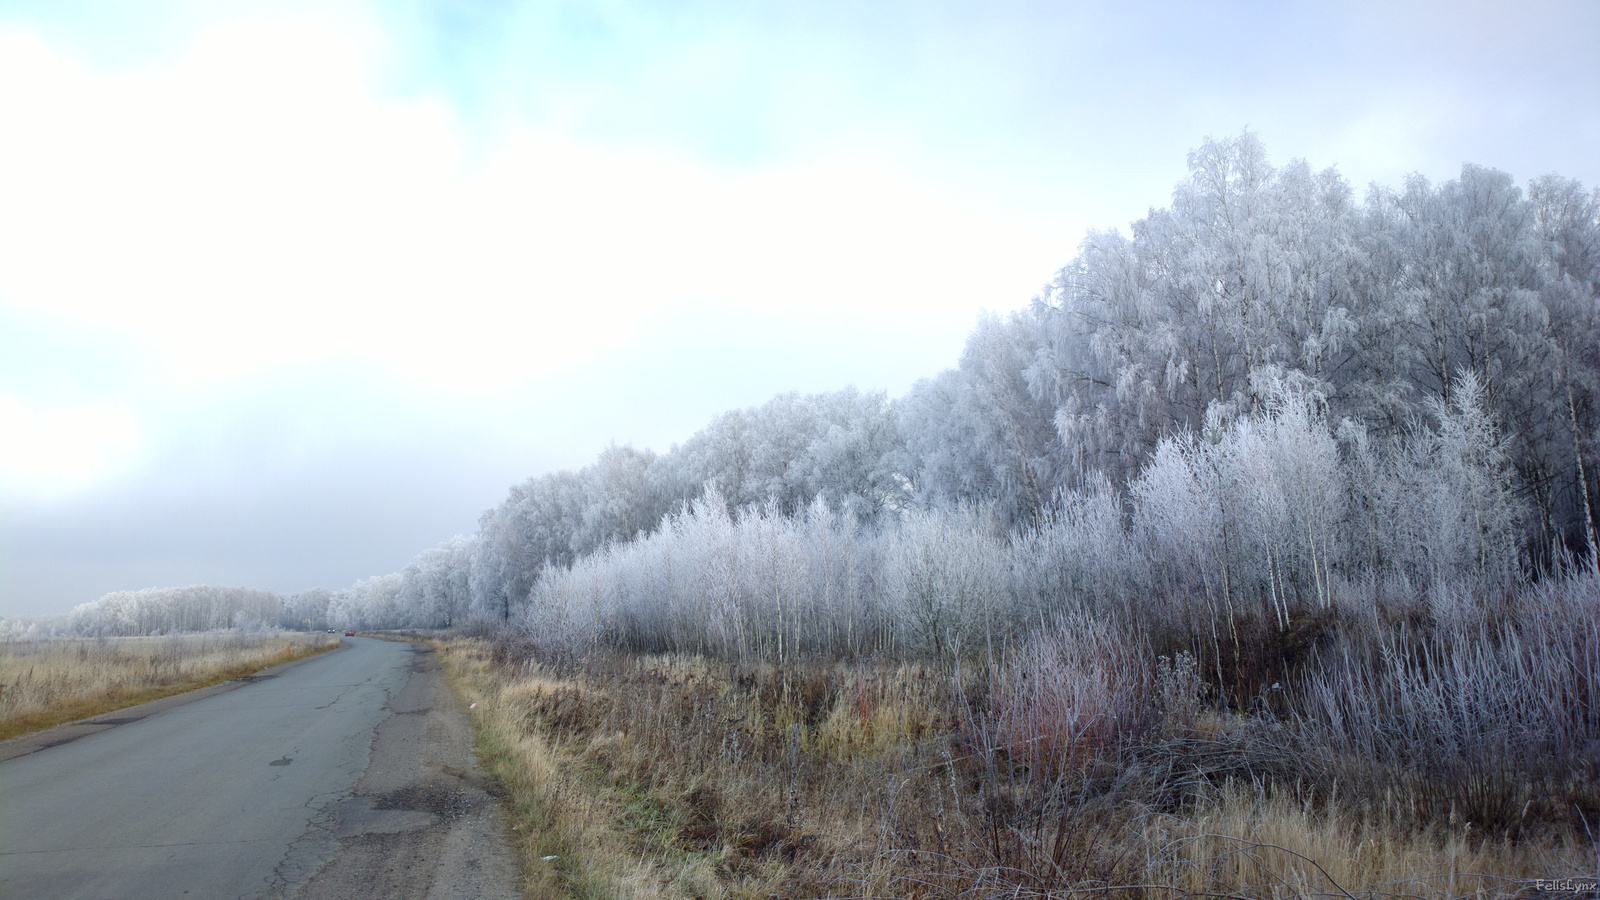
point(424, 820)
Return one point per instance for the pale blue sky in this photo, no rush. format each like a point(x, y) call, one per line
point(291, 291)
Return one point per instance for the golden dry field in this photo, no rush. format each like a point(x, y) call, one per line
point(48, 682)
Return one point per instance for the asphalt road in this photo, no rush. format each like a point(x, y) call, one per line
point(347, 776)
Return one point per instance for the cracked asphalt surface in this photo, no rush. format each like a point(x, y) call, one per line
point(349, 776)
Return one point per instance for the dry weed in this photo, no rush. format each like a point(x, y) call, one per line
point(675, 776)
point(1249, 842)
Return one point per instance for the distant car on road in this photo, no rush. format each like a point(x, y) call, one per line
point(349, 634)
point(332, 631)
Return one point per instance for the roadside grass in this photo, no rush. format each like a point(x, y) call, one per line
point(572, 830)
point(1252, 842)
point(674, 776)
point(52, 682)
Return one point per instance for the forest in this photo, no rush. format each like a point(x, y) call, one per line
point(1269, 398)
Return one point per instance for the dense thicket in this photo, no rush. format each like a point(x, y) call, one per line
point(1266, 394)
point(1251, 524)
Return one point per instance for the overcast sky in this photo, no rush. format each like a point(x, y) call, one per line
point(290, 292)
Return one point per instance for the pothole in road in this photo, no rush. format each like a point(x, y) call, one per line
point(441, 801)
point(281, 762)
point(368, 816)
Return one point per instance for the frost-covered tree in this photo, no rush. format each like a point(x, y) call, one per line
point(175, 610)
point(435, 589)
point(1249, 270)
point(369, 603)
point(946, 574)
point(306, 610)
point(984, 432)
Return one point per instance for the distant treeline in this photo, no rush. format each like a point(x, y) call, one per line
point(176, 609)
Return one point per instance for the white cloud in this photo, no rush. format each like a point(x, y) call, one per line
point(47, 452)
point(254, 203)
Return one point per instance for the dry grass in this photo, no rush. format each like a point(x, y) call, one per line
point(673, 776)
point(1248, 842)
point(46, 683)
point(580, 833)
